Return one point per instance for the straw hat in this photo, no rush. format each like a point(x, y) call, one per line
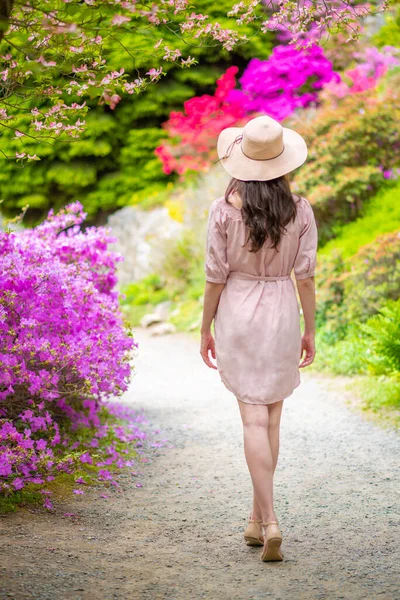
point(261, 150)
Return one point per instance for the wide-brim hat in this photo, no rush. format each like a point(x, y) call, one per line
point(261, 150)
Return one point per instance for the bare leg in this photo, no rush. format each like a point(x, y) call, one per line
point(255, 418)
point(275, 412)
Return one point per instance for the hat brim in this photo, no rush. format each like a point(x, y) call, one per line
point(241, 167)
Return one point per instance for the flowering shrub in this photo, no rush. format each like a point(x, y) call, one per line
point(63, 346)
point(372, 66)
point(289, 79)
point(277, 86)
point(196, 128)
point(353, 289)
point(51, 49)
point(353, 148)
point(352, 337)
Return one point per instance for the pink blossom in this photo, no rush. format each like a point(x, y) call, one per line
point(154, 73)
point(120, 20)
point(48, 504)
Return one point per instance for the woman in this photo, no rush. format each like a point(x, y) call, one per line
point(257, 233)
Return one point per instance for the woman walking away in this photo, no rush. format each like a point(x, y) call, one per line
point(257, 234)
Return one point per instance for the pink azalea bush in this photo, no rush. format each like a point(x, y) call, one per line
point(63, 346)
point(288, 80)
point(372, 65)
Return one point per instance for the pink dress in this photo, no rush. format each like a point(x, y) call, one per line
point(257, 322)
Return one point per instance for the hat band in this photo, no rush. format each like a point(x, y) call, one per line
point(262, 159)
point(239, 139)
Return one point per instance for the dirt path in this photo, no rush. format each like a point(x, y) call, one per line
point(180, 535)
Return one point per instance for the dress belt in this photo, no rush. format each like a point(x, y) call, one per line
point(250, 276)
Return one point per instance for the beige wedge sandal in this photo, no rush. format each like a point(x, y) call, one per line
point(273, 541)
point(253, 533)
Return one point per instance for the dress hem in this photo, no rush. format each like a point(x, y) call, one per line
point(224, 381)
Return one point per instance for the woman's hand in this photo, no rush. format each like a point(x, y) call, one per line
point(207, 344)
point(307, 346)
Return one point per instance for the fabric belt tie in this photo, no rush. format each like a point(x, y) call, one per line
point(251, 277)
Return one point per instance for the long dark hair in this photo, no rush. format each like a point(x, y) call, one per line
point(267, 207)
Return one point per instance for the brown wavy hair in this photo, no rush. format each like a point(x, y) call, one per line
point(267, 207)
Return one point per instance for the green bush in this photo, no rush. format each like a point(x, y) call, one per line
point(352, 290)
point(350, 145)
point(346, 357)
point(379, 215)
point(149, 290)
point(389, 34)
point(383, 334)
point(380, 392)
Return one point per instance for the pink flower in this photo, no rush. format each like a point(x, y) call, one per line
point(119, 20)
point(47, 504)
point(154, 73)
point(78, 492)
point(86, 458)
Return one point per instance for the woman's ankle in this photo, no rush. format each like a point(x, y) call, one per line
point(269, 518)
point(255, 516)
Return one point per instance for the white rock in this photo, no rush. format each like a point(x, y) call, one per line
point(162, 329)
point(162, 309)
point(150, 319)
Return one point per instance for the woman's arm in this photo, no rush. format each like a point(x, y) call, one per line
point(212, 295)
point(306, 288)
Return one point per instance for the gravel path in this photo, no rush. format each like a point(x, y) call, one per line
point(180, 535)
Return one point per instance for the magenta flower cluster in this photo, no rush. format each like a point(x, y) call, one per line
point(289, 79)
point(64, 348)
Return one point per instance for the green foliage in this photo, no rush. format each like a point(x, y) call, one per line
point(29, 496)
point(389, 34)
point(149, 290)
point(352, 290)
point(358, 317)
point(345, 357)
point(350, 145)
point(113, 163)
point(380, 392)
point(383, 333)
point(141, 296)
point(380, 215)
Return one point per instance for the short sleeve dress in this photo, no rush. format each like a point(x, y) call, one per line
point(257, 322)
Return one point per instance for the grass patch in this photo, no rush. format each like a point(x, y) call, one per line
point(29, 496)
point(377, 397)
point(381, 215)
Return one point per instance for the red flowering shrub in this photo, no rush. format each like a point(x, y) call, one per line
point(63, 345)
point(194, 131)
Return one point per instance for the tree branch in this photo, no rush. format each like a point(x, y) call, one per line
point(5, 11)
